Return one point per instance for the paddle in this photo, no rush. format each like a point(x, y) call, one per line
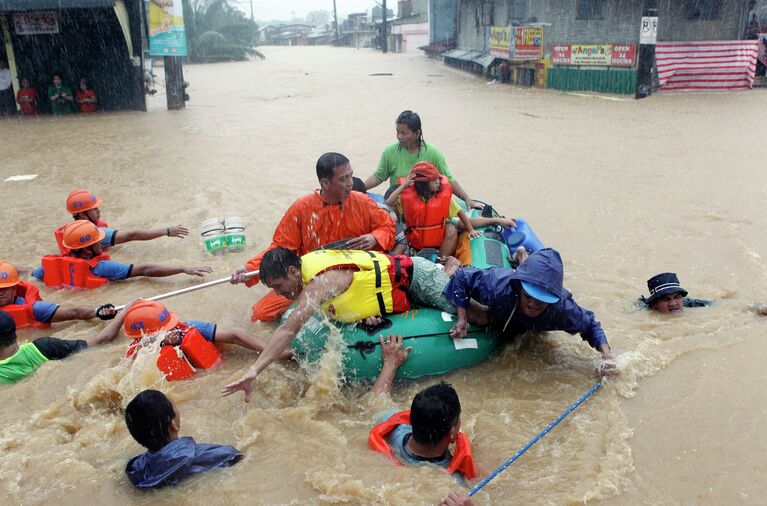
point(189, 289)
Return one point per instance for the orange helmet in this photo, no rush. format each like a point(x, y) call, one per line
point(80, 234)
point(147, 317)
point(80, 201)
point(9, 276)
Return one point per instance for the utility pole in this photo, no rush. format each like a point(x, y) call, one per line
point(648, 34)
point(335, 21)
point(385, 30)
point(253, 22)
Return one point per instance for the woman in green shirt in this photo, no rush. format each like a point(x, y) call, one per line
point(410, 148)
point(61, 96)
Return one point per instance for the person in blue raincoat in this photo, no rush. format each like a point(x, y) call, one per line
point(154, 422)
point(530, 298)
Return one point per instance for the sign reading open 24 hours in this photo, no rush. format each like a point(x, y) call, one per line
point(616, 55)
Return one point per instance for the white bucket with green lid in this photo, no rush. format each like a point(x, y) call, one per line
point(234, 229)
point(213, 235)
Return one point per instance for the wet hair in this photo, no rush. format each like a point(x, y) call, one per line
point(413, 121)
point(422, 189)
point(358, 185)
point(390, 191)
point(148, 418)
point(433, 413)
point(327, 163)
point(7, 329)
point(276, 263)
point(56, 74)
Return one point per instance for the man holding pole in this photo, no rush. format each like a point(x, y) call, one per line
point(332, 213)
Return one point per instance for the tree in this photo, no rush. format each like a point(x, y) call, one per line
point(319, 18)
point(217, 31)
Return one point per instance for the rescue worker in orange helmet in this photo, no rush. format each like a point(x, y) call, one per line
point(84, 205)
point(145, 319)
point(22, 301)
point(84, 238)
point(423, 434)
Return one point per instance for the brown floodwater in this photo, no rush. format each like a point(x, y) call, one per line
point(624, 189)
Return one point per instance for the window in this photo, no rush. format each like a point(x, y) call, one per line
point(703, 9)
point(591, 9)
point(518, 10)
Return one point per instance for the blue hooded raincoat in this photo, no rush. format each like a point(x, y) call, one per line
point(499, 289)
point(178, 460)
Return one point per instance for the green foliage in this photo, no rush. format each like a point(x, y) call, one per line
point(217, 31)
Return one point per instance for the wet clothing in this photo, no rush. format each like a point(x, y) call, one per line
point(32, 355)
point(41, 311)
point(109, 269)
point(27, 108)
point(397, 161)
point(109, 237)
point(178, 460)
point(86, 106)
point(311, 223)
point(429, 281)
point(60, 105)
point(206, 329)
point(499, 290)
point(398, 439)
point(688, 302)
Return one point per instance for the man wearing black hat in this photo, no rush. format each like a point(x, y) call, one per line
point(667, 296)
point(18, 361)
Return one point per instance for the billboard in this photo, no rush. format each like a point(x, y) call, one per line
point(167, 35)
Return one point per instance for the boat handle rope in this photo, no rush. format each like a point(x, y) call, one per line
point(530, 443)
point(368, 347)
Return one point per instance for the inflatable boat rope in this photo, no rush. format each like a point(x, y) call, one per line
point(534, 440)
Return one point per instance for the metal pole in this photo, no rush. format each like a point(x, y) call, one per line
point(385, 30)
point(253, 22)
point(335, 22)
point(191, 289)
point(648, 33)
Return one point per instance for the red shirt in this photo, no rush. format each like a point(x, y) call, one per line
point(27, 108)
point(86, 106)
point(310, 222)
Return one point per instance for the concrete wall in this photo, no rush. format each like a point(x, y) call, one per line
point(620, 25)
point(413, 36)
point(442, 15)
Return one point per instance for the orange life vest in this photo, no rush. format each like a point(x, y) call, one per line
point(59, 271)
point(462, 460)
point(59, 234)
point(182, 361)
point(425, 221)
point(23, 314)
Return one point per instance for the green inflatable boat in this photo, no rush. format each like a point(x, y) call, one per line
point(424, 328)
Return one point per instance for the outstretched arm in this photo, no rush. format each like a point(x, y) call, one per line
point(161, 271)
point(66, 313)
point(111, 331)
point(321, 289)
point(394, 355)
point(147, 235)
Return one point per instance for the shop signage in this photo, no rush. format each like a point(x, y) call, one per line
point(615, 55)
point(500, 41)
point(167, 35)
point(528, 43)
point(35, 23)
point(516, 42)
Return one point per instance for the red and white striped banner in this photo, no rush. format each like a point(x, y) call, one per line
point(706, 65)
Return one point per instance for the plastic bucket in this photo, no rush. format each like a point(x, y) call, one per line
point(213, 236)
point(235, 233)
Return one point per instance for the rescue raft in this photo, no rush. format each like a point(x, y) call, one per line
point(425, 329)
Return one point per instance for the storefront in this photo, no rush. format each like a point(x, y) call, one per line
point(96, 40)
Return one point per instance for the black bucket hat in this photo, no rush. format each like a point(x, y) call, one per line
point(660, 285)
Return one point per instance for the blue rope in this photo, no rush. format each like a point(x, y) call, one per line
point(534, 440)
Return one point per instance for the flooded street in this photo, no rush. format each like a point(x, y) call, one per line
point(623, 189)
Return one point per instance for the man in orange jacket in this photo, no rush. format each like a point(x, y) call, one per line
point(332, 213)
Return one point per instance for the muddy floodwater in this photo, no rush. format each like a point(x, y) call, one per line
point(623, 189)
